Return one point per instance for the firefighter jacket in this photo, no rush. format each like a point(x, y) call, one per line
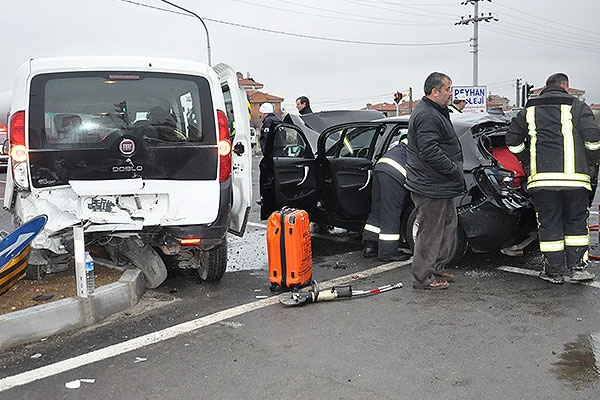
point(435, 162)
point(557, 140)
point(393, 163)
point(453, 109)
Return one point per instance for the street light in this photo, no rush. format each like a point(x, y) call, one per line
point(201, 20)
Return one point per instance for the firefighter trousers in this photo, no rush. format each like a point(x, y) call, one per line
point(383, 224)
point(563, 228)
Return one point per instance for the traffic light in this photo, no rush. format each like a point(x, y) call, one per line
point(397, 97)
point(529, 90)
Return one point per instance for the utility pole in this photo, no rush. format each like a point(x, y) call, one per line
point(203, 24)
point(410, 100)
point(475, 19)
point(518, 91)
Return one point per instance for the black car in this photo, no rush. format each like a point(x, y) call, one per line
point(323, 163)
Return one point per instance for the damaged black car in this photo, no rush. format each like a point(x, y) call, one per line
point(323, 163)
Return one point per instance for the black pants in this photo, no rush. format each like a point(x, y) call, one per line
point(562, 228)
point(383, 224)
point(436, 236)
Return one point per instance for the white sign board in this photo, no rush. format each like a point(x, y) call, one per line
point(476, 97)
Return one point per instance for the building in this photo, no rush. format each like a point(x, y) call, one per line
point(579, 93)
point(495, 101)
point(256, 98)
point(389, 109)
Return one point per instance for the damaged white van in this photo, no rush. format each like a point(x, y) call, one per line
point(149, 155)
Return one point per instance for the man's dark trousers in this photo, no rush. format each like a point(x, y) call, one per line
point(436, 236)
point(562, 225)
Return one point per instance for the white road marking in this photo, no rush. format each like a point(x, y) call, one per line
point(530, 272)
point(317, 235)
point(23, 378)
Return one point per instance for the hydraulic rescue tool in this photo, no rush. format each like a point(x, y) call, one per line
point(336, 292)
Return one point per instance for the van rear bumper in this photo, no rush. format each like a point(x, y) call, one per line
point(212, 234)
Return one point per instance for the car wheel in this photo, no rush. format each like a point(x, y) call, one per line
point(412, 227)
point(213, 263)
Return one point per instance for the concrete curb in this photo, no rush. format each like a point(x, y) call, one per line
point(41, 321)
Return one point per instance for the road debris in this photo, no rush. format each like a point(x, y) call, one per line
point(36, 355)
point(139, 359)
point(76, 384)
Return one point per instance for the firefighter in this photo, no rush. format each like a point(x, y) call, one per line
point(458, 103)
point(381, 235)
point(557, 140)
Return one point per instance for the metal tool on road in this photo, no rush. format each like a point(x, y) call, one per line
point(336, 292)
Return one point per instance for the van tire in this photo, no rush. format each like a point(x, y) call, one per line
point(213, 263)
point(142, 256)
point(460, 247)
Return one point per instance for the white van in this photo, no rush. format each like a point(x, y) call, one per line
point(136, 150)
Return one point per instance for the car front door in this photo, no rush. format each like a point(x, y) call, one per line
point(287, 171)
point(241, 152)
point(345, 156)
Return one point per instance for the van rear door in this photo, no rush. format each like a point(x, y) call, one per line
point(236, 104)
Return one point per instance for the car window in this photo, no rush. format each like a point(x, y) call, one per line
point(289, 143)
point(350, 142)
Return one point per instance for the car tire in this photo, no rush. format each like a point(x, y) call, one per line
point(142, 256)
point(460, 247)
point(213, 263)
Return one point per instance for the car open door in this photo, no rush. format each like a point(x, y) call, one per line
point(287, 171)
point(236, 104)
point(345, 157)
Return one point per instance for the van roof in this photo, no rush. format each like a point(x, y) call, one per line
point(125, 63)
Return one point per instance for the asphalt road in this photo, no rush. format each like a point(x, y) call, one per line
point(493, 335)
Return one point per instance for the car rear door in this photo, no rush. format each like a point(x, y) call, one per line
point(345, 156)
point(241, 156)
point(287, 171)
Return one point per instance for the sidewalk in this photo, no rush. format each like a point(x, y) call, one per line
point(41, 321)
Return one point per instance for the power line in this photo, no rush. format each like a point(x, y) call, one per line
point(341, 12)
point(303, 36)
point(533, 27)
point(366, 19)
point(546, 42)
point(577, 28)
point(368, 4)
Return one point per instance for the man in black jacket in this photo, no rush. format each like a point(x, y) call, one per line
point(557, 140)
point(303, 105)
point(434, 177)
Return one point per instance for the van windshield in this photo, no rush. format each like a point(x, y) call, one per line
point(90, 109)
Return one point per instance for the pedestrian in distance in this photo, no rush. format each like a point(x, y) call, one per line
point(458, 103)
point(267, 113)
point(557, 140)
point(434, 178)
point(303, 105)
point(381, 235)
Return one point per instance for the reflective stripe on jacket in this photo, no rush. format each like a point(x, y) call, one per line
point(393, 163)
point(557, 139)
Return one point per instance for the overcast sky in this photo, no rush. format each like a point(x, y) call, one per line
point(531, 40)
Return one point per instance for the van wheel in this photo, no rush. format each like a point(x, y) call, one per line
point(213, 263)
point(410, 233)
point(134, 251)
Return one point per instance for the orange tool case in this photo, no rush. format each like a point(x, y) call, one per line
point(289, 248)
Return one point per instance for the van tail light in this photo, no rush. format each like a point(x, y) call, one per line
point(190, 241)
point(18, 150)
point(224, 147)
point(3, 129)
